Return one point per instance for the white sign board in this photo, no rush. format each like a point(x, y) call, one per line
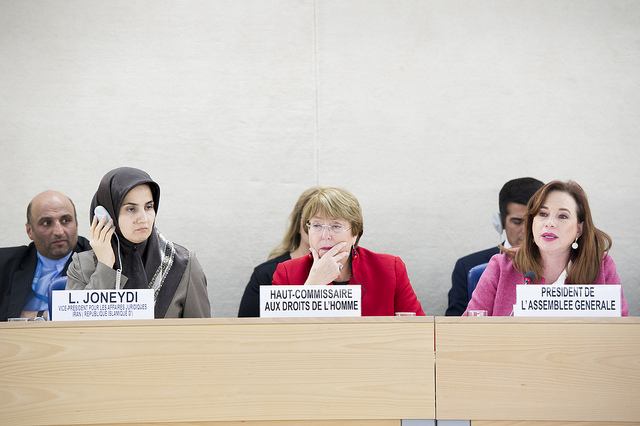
point(278, 301)
point(73, 305)
point(568, 301)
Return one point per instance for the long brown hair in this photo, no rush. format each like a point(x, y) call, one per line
point(291, 240)
point(593, 243)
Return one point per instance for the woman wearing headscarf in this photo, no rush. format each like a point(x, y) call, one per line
point(129, 252)
point(334, 224)
point(294, 244)
point(561, 245)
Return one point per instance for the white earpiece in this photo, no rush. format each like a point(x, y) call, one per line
point(497, 223)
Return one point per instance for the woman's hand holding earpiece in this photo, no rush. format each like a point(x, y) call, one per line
point(327, 268)
point(100, 235)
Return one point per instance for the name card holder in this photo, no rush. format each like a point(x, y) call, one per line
point(74, 305)
point(286, 301)
point(568, 301)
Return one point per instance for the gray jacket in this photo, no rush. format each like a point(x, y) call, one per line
point(190, 300)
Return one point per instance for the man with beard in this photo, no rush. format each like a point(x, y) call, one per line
point(26, 272)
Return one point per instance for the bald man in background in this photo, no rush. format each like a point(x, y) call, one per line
point(27, 271)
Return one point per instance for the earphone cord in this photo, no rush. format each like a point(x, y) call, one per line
point(364, 289)
point(119, 270)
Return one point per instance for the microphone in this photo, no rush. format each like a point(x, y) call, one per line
point(528, 277)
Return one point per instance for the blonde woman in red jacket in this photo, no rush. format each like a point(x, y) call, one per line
point(333, 219)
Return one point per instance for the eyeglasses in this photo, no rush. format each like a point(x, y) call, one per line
point(318, 228)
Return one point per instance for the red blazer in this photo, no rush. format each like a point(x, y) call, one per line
point(385, 285)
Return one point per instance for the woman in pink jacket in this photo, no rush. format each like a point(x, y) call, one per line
point(561, 246)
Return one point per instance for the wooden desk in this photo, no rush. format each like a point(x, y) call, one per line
point(360, 371)
point(334, 371)
point(507, 369)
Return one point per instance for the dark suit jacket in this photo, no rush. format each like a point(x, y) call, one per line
point(459, 293)
point(262, 275)
point(17, 268)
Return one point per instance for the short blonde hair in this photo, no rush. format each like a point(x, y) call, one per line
point(336, 203)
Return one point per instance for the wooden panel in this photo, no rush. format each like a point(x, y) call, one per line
point(216, 370)
point(289, 423)
point(544, 423)
point(523, 369)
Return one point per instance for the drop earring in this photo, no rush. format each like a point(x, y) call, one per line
point(575, 244)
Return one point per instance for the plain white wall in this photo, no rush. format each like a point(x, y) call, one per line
point(422, 109)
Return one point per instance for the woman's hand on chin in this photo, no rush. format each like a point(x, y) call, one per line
point(327, 268)
point(100, 235)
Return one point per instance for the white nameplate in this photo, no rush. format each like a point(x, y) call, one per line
point(568, 301)
point(278, 301)
point(73, 305)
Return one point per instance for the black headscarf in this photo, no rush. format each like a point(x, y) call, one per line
point(139, 261)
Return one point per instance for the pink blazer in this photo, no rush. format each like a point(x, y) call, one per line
point(496, 290)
